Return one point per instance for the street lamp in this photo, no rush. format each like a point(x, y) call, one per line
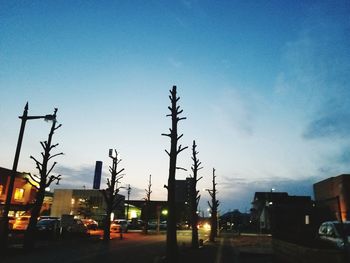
point(24, 118)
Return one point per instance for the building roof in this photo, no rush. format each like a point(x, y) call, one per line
point(341, 176)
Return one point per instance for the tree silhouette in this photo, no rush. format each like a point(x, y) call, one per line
point(110, 194)
point(171, 241)
point(147, 204)
point(214, 210)
point(194, 196)
point(41, 182)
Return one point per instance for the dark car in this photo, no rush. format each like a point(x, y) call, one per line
point(77, 227)
point(331, 232)
point(49, 228)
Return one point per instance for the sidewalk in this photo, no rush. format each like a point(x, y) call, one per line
point(230, 249)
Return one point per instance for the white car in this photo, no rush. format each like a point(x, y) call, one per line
point(331, 232)
point(119, 225)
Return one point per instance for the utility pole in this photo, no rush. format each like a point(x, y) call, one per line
point(4, 221)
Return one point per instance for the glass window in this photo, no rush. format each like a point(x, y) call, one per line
point(19, 192)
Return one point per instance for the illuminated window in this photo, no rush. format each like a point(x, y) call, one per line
point(19, 192)
point(1, 187)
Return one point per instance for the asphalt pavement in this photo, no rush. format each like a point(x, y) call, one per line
point(140, 248)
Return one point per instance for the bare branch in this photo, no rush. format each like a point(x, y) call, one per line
point(163, 134)
point(167, 152)
point(35, 160)
point(180, 168)
point(53, 165)
point(57, 154)
point(32, 184)
point(59, 126)
point(43, 145)
point(181, 149)
point(52, 179)
point(120, 171)
point(34, 178)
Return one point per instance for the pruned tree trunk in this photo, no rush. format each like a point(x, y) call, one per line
point(147, 205)
point(171, 241)
point(110, 194)
point(214, 210)
point(41, 182)
point(195, 196)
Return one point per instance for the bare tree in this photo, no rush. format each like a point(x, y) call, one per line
point(194, 196)
point(41, 182)
point(147, 205)
point(171, 241)
point(214, 210)
point(110, 194)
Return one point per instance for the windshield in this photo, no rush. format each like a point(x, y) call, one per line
point(46, 222)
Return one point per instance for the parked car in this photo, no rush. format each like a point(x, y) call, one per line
point(21, 223)
point(331, 232)
point(12, 221)
point(135, 224)
point(90, 224)
point(119, 225)
point(77, 227)
point(49, 228)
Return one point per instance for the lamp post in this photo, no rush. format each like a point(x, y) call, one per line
point(127, 209)
point(24, 118)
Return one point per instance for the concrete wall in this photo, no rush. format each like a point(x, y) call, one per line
point(61, 204)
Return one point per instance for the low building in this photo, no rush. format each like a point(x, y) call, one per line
point(137, 209)
point(23, 195)
point(334, 194)
point(278, 211)
point(83, 203)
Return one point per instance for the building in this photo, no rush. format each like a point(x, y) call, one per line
point(334, 194)
point(182, 199)
point(23, 192)
point(83, 203)
point(273, 211)
point(157, 209)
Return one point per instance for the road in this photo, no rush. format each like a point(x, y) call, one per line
point(135, 247)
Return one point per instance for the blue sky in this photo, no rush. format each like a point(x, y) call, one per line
point(264, 86)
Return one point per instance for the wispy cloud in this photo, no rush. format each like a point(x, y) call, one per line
point(76, 177)
point(318, 72)
point(234, 112)
point(175, 62)
point(237, 191)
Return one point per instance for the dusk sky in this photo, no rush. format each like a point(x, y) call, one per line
point(264, 86)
